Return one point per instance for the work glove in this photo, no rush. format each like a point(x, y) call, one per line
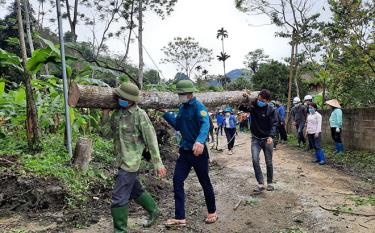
point(337, 130)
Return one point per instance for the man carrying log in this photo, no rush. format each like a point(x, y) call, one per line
point(263, 128)
point(132, 132)
point(193, 122)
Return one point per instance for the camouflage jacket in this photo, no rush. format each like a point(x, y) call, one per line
point(132, 132)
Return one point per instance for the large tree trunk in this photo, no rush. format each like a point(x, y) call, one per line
point(32, 126)
point(291, 67)
point(140, 45)
point(82, 96)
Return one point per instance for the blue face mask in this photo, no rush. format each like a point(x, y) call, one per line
point(261, 104)
point(123, 103)
point(311, 110)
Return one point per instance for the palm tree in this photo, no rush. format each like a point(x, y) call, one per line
point(222, 33)
point(223, 57)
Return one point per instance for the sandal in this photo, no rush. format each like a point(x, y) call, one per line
point(259, 189)
point(211, 219)
point(175, 222)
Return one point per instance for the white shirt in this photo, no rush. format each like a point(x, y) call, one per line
point(314, 123)
point(227, 124)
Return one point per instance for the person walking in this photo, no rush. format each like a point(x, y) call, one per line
point(306, 102)
point(336, 123)
point(314, 132)
point(193, 122)
point(299, 114)
point(281, 127)
point(132, 132)
point(229, 125)
point(219, 121)
point(263, 128)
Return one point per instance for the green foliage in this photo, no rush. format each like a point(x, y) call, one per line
point(10, 59)
point(350, 52)
point(274, 77)
point(186, 53)
point(239, 84)
point(363, 201)
point(54, 161)
point(254, 58)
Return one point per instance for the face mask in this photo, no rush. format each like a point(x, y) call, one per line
point(183, 99)
point(311, 110)
point(261, 104)
point(123, 103)
point(227, 114)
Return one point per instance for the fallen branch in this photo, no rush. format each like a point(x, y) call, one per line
point(237, 205)
point(346, 212)
point(7, 161)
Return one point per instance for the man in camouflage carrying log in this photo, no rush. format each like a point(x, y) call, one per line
point(132, 132)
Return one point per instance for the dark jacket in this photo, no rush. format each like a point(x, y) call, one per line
point(263, 120)
point(299, 114)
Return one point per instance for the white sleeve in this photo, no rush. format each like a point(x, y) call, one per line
point(319, 125)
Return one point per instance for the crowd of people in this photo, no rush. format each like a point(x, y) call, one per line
point(133, 133)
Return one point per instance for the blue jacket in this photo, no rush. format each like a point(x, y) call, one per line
point(219, 118)
point(232, 122)
point(192, 121)
point(281, 111)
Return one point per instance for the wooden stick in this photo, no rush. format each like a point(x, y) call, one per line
point(346, 212)
point(237, 205)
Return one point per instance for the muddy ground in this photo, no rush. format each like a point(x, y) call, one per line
point(303, 190)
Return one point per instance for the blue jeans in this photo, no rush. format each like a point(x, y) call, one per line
point(258, 144)
point(184, 163)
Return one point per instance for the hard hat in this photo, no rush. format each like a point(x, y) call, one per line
point(307, 97)
point(296, 100)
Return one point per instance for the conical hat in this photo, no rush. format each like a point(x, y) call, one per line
point(334, 103)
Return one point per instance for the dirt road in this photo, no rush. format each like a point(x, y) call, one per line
point(302, 188)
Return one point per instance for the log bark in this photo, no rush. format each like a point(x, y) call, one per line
point(84, 96)
point(82, 154)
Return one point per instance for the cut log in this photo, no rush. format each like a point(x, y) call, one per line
point(82, 154)
point(85, 96)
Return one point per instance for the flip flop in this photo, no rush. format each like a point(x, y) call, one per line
point(212, 219)
point(175, 223)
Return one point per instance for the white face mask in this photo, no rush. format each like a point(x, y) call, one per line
point(183, 99)
point(227, 114)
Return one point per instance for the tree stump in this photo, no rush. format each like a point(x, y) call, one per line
point(82, 154)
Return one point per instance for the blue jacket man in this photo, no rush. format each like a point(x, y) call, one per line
point(193, 122)
point(219, 121)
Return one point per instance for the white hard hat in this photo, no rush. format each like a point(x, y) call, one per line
point(296, 100)
point(308, 97)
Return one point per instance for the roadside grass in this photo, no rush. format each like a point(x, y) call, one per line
point(356, 162)
point(54, 161)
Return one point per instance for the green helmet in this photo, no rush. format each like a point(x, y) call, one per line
point(185, 86)
point(128, 91)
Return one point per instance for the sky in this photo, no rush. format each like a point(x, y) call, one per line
point(199, 19)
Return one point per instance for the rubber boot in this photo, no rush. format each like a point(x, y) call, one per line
point(322, 157)
point(337, 148)
point(317, 160)
point(148, 203)
point(120, 219)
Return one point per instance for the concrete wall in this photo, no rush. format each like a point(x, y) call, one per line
point(358, 131)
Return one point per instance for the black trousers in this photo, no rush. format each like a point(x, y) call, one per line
point(230, 134)
point(282, 133)
point(336, 136)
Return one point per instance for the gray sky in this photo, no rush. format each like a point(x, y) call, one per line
point(201, 20)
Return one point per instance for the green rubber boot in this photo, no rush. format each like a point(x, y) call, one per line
point(148, 203)
point(120, 219)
